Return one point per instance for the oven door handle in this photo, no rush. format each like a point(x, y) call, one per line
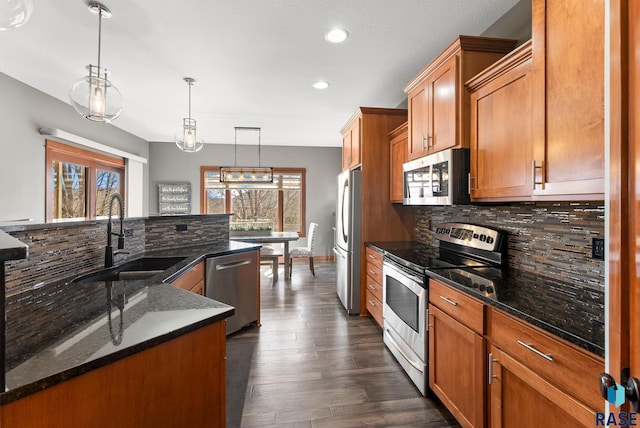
point(409, 360)
point(413, 278)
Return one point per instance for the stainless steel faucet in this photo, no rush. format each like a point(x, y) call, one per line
point(108, 253)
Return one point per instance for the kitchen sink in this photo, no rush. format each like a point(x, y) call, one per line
point(144, 267)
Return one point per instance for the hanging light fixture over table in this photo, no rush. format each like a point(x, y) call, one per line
point(189, 139)
point(246, 174)
point(94, 96)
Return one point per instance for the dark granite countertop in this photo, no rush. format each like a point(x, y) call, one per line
point(573, 313)
point(11, 248)
point(69, 329)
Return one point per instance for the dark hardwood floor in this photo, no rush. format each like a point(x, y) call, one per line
point(315, 366)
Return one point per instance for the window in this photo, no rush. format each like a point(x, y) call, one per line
point(279, 205)
point(80, 183)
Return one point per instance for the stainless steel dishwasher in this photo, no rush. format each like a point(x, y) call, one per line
point(233, 279)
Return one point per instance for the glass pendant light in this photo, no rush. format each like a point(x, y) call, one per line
point(188, 138)
point(94, 96)
point(14, 13)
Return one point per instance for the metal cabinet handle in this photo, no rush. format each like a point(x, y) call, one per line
point(372, 303)
point(372, 287)
point(424, 138)
point(449, 301)
point(490, 369)
point(371, 256)
point(232, 265)
point(373, 272)
point(533, 175)
point(534, 350)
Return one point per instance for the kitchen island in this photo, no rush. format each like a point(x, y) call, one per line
point(126, 353)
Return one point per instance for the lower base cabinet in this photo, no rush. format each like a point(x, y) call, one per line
point(192, 280)
point(456, 369)
point(519, 397)
point(490, 368)
point(179, 383)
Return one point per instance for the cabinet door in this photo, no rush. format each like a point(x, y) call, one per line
point(190, 279)
point(351, 146)
point(355, 144)
point(502, 137)
point(456, 368)
point(518, 397)
point(568, 71)
point(398, 156)
point(443, 111)
point(346, 150)
point(418, 101)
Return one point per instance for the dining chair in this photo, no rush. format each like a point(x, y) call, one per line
point(269, 255)
point(305, 251)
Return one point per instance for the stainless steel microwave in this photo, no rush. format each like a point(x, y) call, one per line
point(440, 178)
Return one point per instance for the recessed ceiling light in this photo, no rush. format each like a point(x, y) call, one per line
point(336, 36)
point(321, 84)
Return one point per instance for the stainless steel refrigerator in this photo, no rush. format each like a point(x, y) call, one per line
point(347, 240)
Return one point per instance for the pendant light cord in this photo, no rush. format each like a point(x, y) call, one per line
point(190, 83)
point(99, 36)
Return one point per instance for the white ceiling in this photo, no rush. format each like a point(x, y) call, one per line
point(253, 60)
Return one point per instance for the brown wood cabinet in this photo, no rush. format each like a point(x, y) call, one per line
point(398, 146)
point(374, 284)
point(501, 129)
point(351, 144)
point(178, 383)
point(568, 79)
point(192, 280)
point(488, 367)
point(380, 220)
point(457, 352)
point(537, 116)
point(535, 377)
point(437, 99)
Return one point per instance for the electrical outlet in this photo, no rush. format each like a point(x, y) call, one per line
point(181, 227)
point(597, 248)
point(128, 233)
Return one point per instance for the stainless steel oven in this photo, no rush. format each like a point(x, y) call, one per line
point(404, 311)
point(463, 250)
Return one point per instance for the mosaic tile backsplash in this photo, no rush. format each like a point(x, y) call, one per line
point(57, 251)
point(547, 239)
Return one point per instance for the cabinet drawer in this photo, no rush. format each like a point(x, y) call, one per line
point(374, 257)
point(190, 278)
point(562, 364)
point(374, 287)
point(458, 305)
point(375, 273)
point(374, 306)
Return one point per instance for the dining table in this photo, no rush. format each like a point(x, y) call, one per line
point(272, 238)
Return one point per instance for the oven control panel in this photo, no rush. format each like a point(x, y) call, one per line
point(470, 235)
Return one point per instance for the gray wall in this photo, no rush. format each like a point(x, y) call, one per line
point(23, 110)
point(323, 164)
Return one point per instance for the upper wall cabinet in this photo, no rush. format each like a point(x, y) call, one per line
point(397, 157)
point(437, 98)
point(351, 144)
point(537, 116)
point(568, 121)
point(501, 129)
